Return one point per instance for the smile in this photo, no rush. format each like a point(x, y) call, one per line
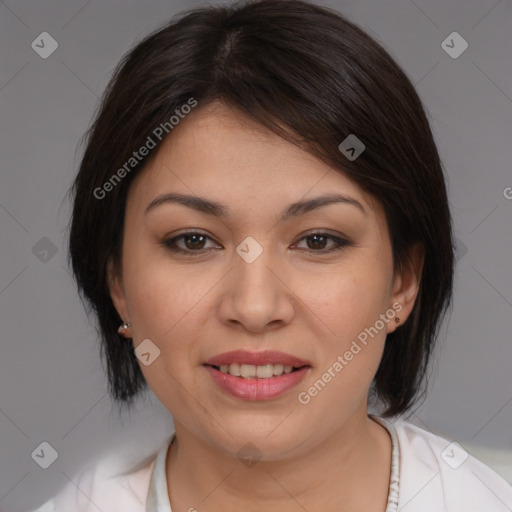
point(251, 371)
point(256, 388)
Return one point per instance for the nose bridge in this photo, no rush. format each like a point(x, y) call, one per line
point(255, 295)
point(253, 272)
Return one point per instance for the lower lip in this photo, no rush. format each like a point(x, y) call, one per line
point(256, 389)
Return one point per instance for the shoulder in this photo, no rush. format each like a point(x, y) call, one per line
point(104, 486)
point(437, 474)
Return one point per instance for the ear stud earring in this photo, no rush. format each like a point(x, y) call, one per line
point(123, 328)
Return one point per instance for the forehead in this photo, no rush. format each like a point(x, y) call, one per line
point(218, 152)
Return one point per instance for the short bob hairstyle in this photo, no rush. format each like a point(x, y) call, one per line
point(312, 77)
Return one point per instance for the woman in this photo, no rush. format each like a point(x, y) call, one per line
point(262, 228)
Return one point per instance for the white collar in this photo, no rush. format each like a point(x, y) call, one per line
point(158, 495)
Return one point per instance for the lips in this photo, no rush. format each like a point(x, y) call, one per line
point(256, 359)
point(264, 387)
point(256, 389)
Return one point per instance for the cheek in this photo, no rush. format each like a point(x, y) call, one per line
point(348, 300)
point(162, 299)
point(166, 308)
point(350, 354)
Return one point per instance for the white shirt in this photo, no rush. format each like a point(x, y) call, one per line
point(428, 474)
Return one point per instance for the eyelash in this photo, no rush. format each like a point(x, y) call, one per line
point(340, 243)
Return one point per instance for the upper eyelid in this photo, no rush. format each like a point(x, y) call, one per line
point(309, 232)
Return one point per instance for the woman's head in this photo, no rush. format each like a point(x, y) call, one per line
point(247, 107)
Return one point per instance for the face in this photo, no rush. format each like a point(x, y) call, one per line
point(311, 288)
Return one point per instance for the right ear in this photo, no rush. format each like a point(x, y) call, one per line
point(116, 287)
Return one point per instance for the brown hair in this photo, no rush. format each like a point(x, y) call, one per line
point(312, 77)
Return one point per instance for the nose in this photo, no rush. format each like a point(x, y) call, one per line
point(255, 296)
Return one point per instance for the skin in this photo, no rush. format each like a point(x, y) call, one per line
point(310, 304)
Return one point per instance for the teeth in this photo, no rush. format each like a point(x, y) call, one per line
point(247, 371)
point(234, 369)
point(251, 371)
point(278, 369)
point(265, 372)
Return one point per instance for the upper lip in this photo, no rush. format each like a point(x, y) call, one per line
point(256, 358)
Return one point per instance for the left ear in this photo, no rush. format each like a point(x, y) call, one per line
point(406, 284)
point(116, 288)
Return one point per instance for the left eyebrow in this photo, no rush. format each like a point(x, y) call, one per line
point(220, 210)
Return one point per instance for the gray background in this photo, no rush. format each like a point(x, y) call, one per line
point(52, 384)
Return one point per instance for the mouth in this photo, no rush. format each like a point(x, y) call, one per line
point(256, 375)
point(251, 371)
point(263, 358)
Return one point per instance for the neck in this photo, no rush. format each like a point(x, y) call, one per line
point(348, 471)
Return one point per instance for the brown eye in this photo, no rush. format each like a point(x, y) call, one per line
point(188, 242)
point(194, 241)
point(317, 242)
